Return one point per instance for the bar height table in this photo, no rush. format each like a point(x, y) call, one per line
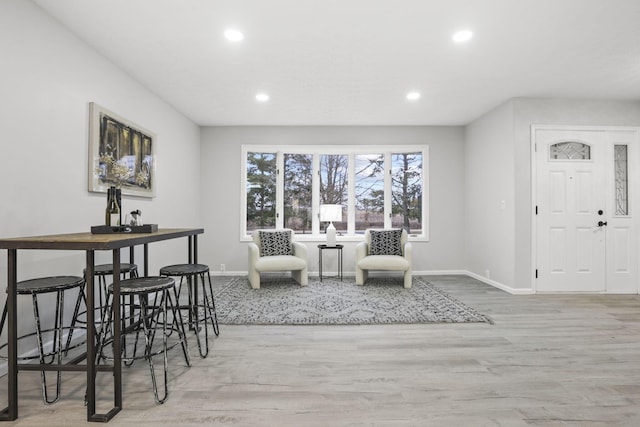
point(90, 243)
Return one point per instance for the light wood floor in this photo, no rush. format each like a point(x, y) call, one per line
point(551, 360)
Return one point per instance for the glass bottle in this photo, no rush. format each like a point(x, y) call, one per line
point(112, 214)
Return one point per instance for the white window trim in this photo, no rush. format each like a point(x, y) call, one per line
point(351, 150)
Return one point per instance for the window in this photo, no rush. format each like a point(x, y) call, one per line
point(621, 172)
point(378, 187)
point(369, 191)
point(569, 150)
point(406, 187)
point(261, 190)
point(297, 192)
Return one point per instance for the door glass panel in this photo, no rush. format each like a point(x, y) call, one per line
point(569, 150)
point(622, 179)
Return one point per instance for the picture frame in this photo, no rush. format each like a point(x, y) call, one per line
point(121, 154)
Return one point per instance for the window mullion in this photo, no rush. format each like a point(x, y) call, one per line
point(351, 195)
point(387, 189)
point(315, 195)
point(280, 190)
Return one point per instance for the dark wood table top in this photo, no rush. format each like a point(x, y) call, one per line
point(89, 241)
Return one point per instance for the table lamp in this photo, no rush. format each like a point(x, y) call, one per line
point(331, 213)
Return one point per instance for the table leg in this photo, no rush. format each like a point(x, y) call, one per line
point(117, 353)
point(146, 260)
point(91, 341)
point(10, 413)
point(91, 335)
point(195, 249)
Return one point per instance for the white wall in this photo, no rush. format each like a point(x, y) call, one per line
point(489, 196)
point(221, 165)
point(48, 78)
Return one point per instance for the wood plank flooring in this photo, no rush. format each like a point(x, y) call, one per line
point(548, 360)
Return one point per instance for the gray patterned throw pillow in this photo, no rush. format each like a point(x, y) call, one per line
point(386, 242)
point(275, 243)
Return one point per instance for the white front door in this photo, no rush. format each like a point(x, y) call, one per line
point(585, 228)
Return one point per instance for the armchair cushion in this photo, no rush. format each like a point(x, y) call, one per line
point(386, 242)
point(273, 243)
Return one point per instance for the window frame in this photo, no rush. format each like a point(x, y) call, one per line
point(351, 151)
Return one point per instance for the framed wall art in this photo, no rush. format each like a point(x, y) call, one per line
point(121, 154)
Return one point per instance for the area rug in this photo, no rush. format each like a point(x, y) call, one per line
point(334, 302)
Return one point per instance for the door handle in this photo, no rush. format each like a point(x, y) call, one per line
point(601, 223)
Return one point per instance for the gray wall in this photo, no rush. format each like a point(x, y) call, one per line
point(220, 175)
point(48, 79)
point(489, 196)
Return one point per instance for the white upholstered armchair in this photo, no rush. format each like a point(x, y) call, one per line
point(384, 250)
point(276, 250)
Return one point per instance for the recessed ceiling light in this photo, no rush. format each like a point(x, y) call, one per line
point(262, 97)
point(462, 36)
point(233, 35)
point(413, 96)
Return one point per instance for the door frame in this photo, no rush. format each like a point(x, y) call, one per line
point(634, 176)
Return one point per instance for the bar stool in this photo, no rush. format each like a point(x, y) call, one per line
point(102, 271)
point(44, 285)
point(153, 301)
point(193, 272)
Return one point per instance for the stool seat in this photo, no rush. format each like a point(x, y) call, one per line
point(143, 285)
point(184, 269)
point(48, 284)
point(107, 269)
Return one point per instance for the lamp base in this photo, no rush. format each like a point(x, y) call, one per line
point(331, 235)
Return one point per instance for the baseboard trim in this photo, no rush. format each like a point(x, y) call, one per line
point(498, 285)
point(501, 286)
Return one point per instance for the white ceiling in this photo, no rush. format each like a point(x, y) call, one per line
point(351, 62)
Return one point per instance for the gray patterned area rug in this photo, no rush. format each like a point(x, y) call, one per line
point(334, 302)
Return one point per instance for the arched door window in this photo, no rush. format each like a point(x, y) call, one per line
point(569, 150)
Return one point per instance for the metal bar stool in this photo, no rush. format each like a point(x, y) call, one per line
point(193, 272)
point(101, 272)
point(154, 299)
point(43, 285)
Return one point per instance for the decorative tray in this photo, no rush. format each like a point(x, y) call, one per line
point(105, 229)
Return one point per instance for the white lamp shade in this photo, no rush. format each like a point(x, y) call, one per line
point(331, 213)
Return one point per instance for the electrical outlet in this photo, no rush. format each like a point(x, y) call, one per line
point(222, 268)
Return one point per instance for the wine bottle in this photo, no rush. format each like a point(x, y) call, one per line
point(113, 210)
point(107, 218)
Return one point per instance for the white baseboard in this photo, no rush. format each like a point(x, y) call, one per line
point(498, 285)
point(513, 291)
